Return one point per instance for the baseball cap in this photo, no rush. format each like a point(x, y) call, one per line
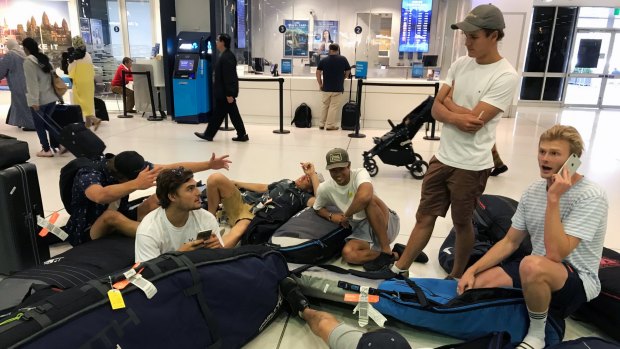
point(383, 338)
point(482, 17)
point(337, 157)
point(129, 164)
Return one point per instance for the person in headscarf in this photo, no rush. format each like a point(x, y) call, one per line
point(12, 68)
point(82, 72)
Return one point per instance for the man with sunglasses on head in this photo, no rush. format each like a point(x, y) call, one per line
point(100, 194)
point(176, 224)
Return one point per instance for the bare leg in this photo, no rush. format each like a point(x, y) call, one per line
point(378, 214)
point(321, 323)
point(219, 187)
point(113, 221)
point(151, 203)
point(462, 248)
point(358, 252)
point(232, 238)
point(420, 235)
point(494, 277)
point(540, 277)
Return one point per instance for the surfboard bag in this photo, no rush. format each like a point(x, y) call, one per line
point(433, 304)
point(204, 299)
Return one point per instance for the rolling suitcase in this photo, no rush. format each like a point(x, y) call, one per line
point(101, 111)
point(20, 199)
point(350, 114)
point(13, 151)
point(67, 124)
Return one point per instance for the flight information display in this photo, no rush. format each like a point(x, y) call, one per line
point(415, 25)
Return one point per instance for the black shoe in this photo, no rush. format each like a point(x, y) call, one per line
point(321, 127)
point(243, 138)
point(203, 136)
point(499, 170)
point(382, 261)
point(291, 292)
point(28, 129)
point(132, 111)
point(400, 248)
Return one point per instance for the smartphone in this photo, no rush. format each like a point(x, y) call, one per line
point(204, 235)
point(572, 164)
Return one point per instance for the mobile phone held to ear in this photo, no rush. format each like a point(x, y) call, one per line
point(572, 164)
point(204, 235)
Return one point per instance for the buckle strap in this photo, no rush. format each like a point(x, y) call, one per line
point(38, 316)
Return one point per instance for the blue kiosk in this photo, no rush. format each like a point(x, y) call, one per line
point(191, 82)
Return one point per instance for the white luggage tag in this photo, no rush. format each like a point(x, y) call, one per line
point(366, 310)
point(44, 223)
point(136, 279)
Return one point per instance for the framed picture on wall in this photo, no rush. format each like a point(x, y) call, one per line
point(296, 38)
point(85, 31)
point(96, 32)
point(325, 33)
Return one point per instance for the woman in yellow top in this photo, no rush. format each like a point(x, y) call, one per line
point(82, 72)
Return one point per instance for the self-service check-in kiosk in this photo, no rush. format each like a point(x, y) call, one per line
point(191, 83)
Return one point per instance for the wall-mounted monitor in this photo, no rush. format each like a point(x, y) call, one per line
point(429, 60)
point(415, 25)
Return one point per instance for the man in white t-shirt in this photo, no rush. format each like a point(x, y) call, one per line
point(373, 224)
point(566, 218)
point(479, 88)
point(175, 225)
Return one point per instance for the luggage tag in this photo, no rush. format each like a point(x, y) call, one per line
point(366, 310)
point(51, 228)
point(135, 278)
point(116, 297)
point(43, 233)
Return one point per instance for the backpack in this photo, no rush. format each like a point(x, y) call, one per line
point(303, 116)
point(67, 177)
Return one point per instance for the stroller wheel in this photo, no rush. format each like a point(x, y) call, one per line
point(418, 169)
point(371, 166)
point(417, 157)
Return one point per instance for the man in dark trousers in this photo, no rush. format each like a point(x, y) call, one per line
point(330, 74)
point(226, 90)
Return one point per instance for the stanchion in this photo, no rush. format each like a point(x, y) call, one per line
point(226, 127)
point(124, 115)
point(281, 130)
point(433, 123)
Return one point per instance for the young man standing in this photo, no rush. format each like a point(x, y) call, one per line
point(330, 75)
point(175, 225)
point(373, 224)
point(478, 90)
point(566, 218)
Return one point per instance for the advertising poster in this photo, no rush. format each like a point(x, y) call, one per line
point(296, 38)
point(45, 21)
point(325, 33)
point(415, 25)
point(85, 31)
point(96, 32)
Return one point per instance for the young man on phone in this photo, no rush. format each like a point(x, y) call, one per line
point(566, 218)
point(176, 225)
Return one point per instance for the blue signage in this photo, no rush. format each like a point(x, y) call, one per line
point(286, 67)
point(361, 69)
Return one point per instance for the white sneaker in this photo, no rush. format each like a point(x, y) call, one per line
point(45, 154)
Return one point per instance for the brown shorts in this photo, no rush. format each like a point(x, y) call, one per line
point(445, 185)
point(236, 208)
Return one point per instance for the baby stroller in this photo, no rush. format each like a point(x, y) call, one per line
point(394, 147)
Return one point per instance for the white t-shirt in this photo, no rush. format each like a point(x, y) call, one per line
point(156, 235)
point(330, 193)
point(494, 84)
point(583, 212)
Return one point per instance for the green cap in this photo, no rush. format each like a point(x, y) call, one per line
point(481, 17)
point(337, 157)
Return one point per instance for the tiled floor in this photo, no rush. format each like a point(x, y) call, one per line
point(268, 156)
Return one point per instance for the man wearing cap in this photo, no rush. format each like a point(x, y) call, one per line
point(479, 88)
point(240, 207)
point(100, 194)
point(337, 334)
point(374, 226)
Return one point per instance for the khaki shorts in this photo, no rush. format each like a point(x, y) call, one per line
point(445, 185)
point(345, 336)
point(363, 231)
point(236, 209)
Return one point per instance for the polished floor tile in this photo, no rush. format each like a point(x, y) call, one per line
point(268, 157)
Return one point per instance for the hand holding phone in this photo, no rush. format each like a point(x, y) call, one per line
point(204, 235)
point(572, 164)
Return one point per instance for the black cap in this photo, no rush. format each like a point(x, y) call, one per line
point(129, 164)
point(383, 338)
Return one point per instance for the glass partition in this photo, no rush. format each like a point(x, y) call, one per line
point(366, 30)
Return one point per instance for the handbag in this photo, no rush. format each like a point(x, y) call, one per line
point(59, 86)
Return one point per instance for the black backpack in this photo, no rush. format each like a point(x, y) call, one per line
point(67, 176)
point(303, 116)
